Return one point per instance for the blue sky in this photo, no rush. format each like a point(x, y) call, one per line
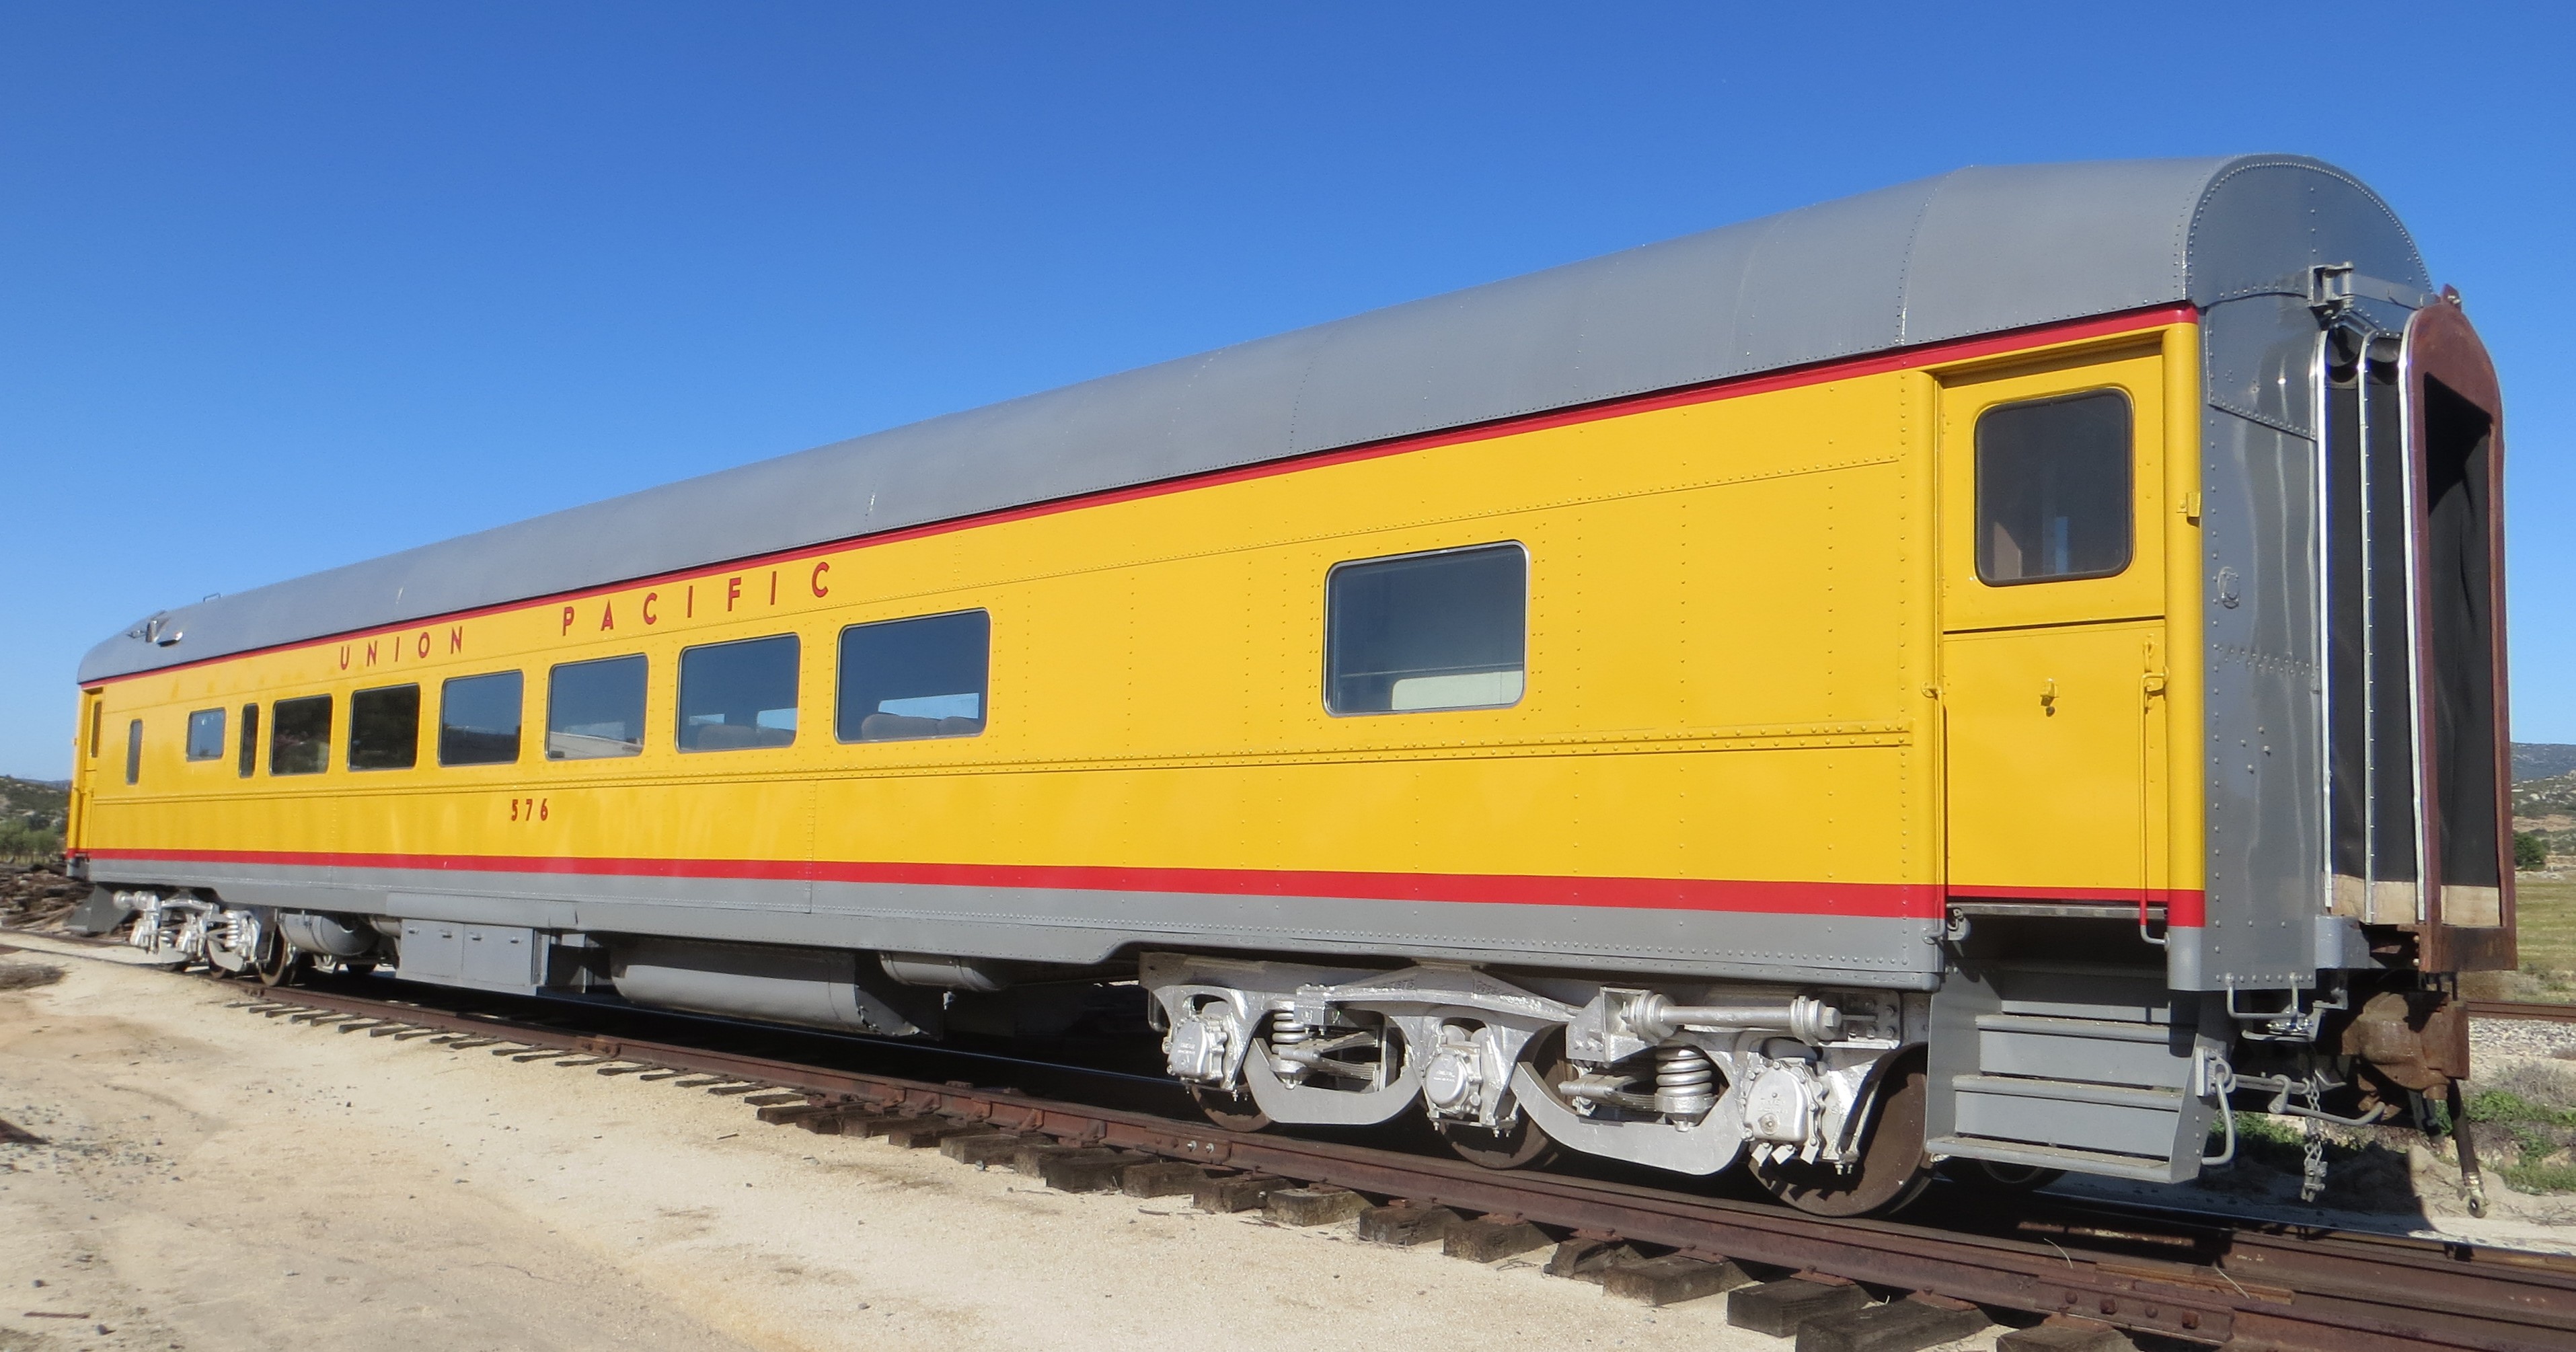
point(284, 286)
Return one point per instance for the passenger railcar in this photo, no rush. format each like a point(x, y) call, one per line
point(1980, 671)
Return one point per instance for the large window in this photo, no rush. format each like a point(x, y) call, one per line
point(2053, 489)
point(206, 735)
point(299, 736)
point(384, 728)
point(596, 709)
point(478, 719)
point(248, 756)
point(1427, 631)
point(914, 678)
point(738, 695)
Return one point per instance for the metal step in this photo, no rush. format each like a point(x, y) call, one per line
point(2101, 1051)
point(2068, 1114)
point(2136, 1167)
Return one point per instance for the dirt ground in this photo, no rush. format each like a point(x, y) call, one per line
point(210, 1179)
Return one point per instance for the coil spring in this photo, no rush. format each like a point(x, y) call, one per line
point(1685, 1080)
point(1286, 1030)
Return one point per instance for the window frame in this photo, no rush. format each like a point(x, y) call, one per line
point(330, 705)
point(680, 694)
point(349, 749)
point(840, 676)
point(189, 748)
point(2130, 515)
point(519, 736)
point(1529, 591)
point(643, 711)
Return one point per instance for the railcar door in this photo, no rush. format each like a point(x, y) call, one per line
point(2052, 602)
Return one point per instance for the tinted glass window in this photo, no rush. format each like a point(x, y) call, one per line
point(134, 751)
point(1427, 631)
point(206, 735)
point(2053, 489)
point(914, 678)
point(736, 695)
point(596, 709)
point(384, 728)
point(97, 727)
point(299, 736)
point(249, 752)
point(478, 720)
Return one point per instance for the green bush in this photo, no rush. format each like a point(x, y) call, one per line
point(2530, 851)
point(23, 842)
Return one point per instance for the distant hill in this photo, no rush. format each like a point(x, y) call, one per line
point(2542, 760)
point(35, 798)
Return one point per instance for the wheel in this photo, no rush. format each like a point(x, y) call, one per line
point(277, 961)
point(1519, 1146)
point(1891, 1171)
point(1234, 1112)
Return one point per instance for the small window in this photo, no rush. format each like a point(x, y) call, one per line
point(134, 751)
point(478, 720)
point(736, 695)
point(97, 726)
point(206, 735)
point(2053, 489)
point(249, 749)
point(384, 728)
point(1427, 631)
point(914, 678)
point(595, 709)
point(299, 736)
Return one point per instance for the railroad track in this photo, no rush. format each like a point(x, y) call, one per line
point(2240, 1284)
point(2518, 1009)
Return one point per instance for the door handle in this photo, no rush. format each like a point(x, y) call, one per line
point(2048, 697)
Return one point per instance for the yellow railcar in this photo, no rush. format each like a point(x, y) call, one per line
point(1992, 659)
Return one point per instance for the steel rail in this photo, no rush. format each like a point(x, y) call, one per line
point(2262, 1283)
point(2521, 1009)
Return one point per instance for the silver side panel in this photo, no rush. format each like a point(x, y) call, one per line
point(2262, 568)
point(1075, 926)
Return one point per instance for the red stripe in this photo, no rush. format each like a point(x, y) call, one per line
point(1871, 900)
point(1897, 359)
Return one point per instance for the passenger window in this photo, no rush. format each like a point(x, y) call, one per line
point(134, 751)
point(299, 736)
point(737, 695)
point(249, 752)
point(478, 719)
point(595, 709)
point(206, 735)
point(914, 678)
point(2053, 489)
point(384, 728)
point(1427, 631)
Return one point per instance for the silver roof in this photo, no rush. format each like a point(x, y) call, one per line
point(1975, 251)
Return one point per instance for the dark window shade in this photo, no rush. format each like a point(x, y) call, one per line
point(299, 736)
point(384, 728)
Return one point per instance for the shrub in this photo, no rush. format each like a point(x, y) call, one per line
point(2530, 851)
